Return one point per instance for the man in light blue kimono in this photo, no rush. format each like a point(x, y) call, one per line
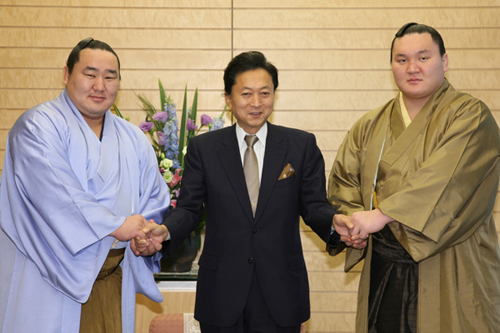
point(77, 184)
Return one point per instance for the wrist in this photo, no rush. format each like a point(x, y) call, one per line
point(165, 232)
point(385, 218)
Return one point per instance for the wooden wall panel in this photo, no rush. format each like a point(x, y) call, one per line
point(331, 322)
point(30, 78)
point(146, 40)
point(121, 3)
point(3, 137)
point(339, 4)
point(17, 100)
point(355, 39)
point(131, 79)
point(342, 302)
point(333, 58)
point(360, 18)
point(76, 17)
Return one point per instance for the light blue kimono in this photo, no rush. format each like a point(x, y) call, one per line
point(62, 192)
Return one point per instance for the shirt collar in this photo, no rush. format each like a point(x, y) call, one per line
point(261, 134)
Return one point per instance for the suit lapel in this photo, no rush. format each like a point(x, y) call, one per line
point(273, 163)
point(230, 158)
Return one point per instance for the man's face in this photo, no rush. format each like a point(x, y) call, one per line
point(417, 66)
point(94, 82)
point(252, 99)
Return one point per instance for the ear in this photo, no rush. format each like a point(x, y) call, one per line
point(228, 101)
point(65, 75)
point(444, 59)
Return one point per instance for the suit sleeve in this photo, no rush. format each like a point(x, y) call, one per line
point(314, 207)
point(188, 213)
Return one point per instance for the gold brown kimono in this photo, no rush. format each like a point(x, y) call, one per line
point(438, 179)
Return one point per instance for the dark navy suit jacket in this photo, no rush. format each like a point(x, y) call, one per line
point(238, 245)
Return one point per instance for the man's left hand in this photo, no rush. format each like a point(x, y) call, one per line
point(368, 222)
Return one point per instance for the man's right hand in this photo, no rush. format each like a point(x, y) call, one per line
point(131, 228)
point(343, 225)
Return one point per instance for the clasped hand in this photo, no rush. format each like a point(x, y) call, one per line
point(354, 230)
point(155, 235)
point(146, 237)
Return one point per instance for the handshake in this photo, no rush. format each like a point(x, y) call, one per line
point(146, 237)
point(355, 229)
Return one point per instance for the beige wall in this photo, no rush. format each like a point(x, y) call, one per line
point(333, 58)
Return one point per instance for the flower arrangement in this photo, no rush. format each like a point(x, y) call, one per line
point(170, 140)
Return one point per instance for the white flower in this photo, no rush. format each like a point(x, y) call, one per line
point(168, 176)
point(166, 164)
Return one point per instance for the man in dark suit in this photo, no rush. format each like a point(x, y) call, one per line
point(252, 275)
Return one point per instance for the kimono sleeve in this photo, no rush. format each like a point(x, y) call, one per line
point(48, 215)
point(452, 193)
point(154, 194)
point(50, 193)
point(344, 186)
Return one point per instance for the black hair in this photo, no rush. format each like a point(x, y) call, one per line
point(88, 43)
point(415, 28)
point(247, 61)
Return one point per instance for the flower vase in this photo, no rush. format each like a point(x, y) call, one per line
point(181, 260)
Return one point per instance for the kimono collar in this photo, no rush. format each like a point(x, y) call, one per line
point(404, 111)
point(79, 116)
point(433, 102)
point(73, 107)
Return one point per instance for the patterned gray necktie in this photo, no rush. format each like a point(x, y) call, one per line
point(251, 168)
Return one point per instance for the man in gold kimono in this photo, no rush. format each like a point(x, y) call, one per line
point(418, 178)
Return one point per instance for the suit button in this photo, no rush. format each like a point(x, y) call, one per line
point(250, 260)
point(254, 230)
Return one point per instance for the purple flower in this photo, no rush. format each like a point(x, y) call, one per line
point(161, 138)
point(146, 126)
point(205, 120)
point(161, 116)
point(190, 125)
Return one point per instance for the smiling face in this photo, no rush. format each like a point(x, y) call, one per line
point(93, 84)
point(252, 99)
point(418, 67)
